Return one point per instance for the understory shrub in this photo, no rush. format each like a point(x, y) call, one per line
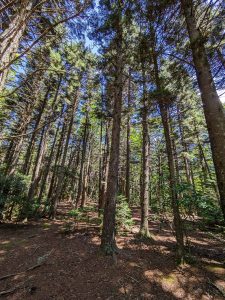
point(13, 195)
point(123, 214)
point(199, 202)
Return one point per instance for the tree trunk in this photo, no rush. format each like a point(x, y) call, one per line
point(105, 166)
point(11, 37)
point(144, 192)
point(185, 147)
point(18, 142)
point(108, 242)
point(64, 155)
point(160, 194)
point(213, 109)
point(26, 166)
point(172, 179)
point(38, 164)
point(85, 182)
point(47, 169)
point(205, 167)
point(83, 155)
point(163, 106)
point(127, 188)
point(56, 169)
point(100, 169)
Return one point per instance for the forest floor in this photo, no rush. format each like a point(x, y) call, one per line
point(57, 259)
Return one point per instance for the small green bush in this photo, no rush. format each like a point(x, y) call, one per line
point(199, 202)
point(123, 214)
point(13, 194)
point(74, 213)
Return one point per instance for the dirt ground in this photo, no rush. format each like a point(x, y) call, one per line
point(60, 260)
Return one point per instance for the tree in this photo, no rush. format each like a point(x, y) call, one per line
point(213, 108)
point(108, 243)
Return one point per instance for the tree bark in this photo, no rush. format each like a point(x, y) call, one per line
point(11, 37)
point(38, 163)
point(26, 166)
point(85, 181)
point(105, 166)
point(108, 242)
point(213, 109)
point(163, 106)
point(185, 147)
point(172, 179)
point(83, 155)
point(127, 188)
point(144, 192)
point(14, 155)
point(60, 181)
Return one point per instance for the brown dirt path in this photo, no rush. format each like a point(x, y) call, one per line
point(74, 268)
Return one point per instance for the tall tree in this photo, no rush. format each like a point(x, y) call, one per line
point(213, 108)
point(108, 243)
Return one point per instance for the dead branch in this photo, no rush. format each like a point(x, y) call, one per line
point(10, 291)
point(40, 262)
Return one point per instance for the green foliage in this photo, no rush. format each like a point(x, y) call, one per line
point(75, 213)
point(87, 209)
point(123, 214)
point(29, 209)
point(13, 193)
point(13, 197)
point(200, 202)
point(208, 209)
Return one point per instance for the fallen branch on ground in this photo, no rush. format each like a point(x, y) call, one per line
point(40, 261)
point(10, 291)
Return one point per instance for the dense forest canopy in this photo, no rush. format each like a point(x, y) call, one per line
point(114, 104)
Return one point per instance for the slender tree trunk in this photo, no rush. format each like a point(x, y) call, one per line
point(173, 182)
point(26, 165)
point(164, 111)
point(85, 183)
point(127, 188)
point(59, 186)
point(47, 169)
point(144, 180)
point(55, 169)
point(18, 142)
point(100, 169)
point(213, 109)
point(108, 242)
point(38, 164)
point(105, 166)
point(175, 156)
point(205, 167)
point(9, 154)
point(11, 37)
point(83, 155)
point(159, 183)
point(185, 147)
point(75, 166)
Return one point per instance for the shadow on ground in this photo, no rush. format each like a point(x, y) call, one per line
point(74, 268)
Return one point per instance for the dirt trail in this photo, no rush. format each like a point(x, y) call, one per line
point(72, 267)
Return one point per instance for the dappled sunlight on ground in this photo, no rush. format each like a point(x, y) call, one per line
point(74, 268)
